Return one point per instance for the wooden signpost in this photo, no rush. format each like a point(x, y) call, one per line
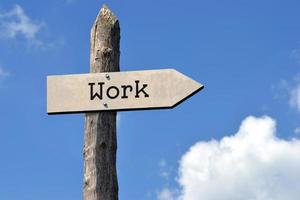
point(103, 92)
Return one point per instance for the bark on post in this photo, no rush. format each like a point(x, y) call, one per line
point(100, 140)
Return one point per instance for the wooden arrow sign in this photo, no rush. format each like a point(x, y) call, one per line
point(151, 89)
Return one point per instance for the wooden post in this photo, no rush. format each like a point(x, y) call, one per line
point(100, 140)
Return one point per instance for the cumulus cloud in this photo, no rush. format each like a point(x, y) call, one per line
point(16, 23)
point(253, 164)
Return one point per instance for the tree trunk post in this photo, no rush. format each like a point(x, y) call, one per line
point(100, 138)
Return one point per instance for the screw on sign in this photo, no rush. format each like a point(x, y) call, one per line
point(104, 91)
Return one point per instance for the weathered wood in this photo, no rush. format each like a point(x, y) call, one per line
point(100, 145)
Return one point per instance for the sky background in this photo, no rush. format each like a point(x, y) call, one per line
point(239, 136)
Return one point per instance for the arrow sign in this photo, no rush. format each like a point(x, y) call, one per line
point(151, 89)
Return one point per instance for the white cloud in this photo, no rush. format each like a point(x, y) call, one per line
point(289, 91)
point(165, 169)
point(281, 89)
point(295, 97)
point(16, 23)
point(253, 164)
point(166, 194)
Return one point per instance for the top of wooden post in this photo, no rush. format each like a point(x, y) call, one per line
point(106, 16)
point(105, 42)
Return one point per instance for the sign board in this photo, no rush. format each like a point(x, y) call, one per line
point(150, 89)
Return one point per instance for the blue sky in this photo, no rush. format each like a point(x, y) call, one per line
point(246, 53)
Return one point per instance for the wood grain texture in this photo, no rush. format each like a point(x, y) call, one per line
point(100, 140)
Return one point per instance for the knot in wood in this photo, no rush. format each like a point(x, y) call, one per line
point(86, 183)
point(106, 51)
point(103, 145)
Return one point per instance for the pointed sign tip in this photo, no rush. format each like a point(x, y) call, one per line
point(198, 87)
